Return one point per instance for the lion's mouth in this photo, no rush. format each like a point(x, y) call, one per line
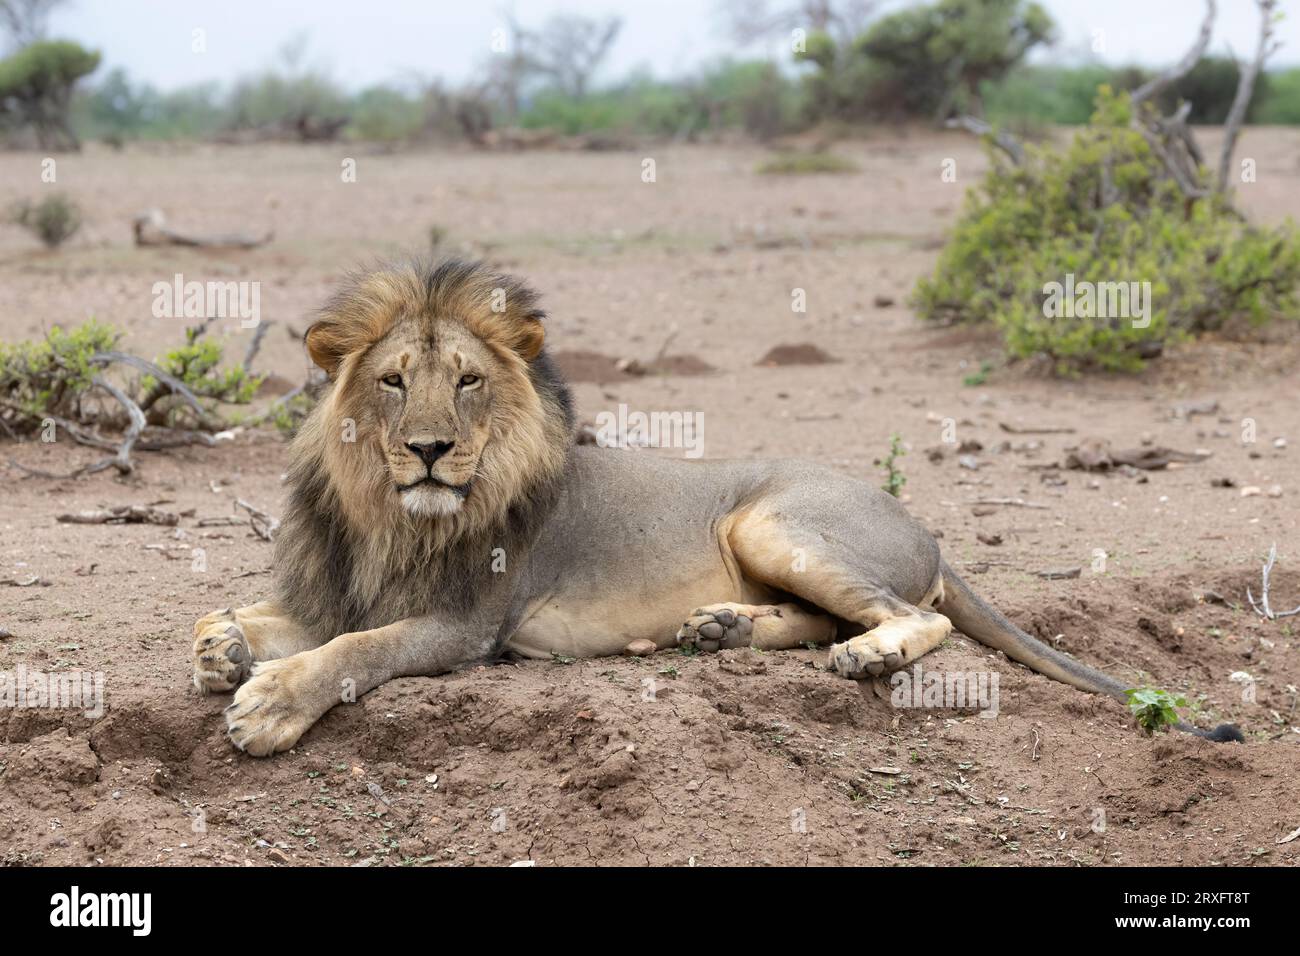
point(460, 491)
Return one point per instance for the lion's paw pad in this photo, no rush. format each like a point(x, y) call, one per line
point(269, 713)
point(715, 627)
point(222, 657)
point(862, 658)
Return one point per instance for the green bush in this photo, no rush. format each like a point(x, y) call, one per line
point(1031, 225)
point(53, 220)
point(49, 375)
point(197, 365)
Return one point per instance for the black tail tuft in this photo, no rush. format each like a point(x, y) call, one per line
point(1220, 734)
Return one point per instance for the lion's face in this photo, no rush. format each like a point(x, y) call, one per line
point(433, 401)
point(443, 412)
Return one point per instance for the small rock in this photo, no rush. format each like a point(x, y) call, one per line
point(883, 301)
point(992, 540)
point(1275, 491)
point(1279, 442)
point(640, 648)
point(692, 786)
point(1222, 483)
point(278, 855)
point(1251, 491)
point(969, 462)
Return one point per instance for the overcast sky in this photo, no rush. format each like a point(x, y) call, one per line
point(374, 41)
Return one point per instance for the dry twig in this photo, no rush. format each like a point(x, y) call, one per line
point(1262, 607)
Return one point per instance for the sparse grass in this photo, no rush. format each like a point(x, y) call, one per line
point(54, 220)
point(797, 164)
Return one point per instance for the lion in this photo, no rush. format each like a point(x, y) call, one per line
point(441, 515)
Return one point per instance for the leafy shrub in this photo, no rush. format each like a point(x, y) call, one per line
point(53, 220)
point(49, 375)
point(197, 365)
point(1103, 210)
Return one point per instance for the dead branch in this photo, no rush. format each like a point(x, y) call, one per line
point(122, 514)
point(1009, 502)
point(1246, 88)
point(1262, 607)
point(999, 137)
point(1047, 430)
point(263, 524)
point(151, 230)
point(255, 346)
point(149, 368)
point(121, 460)
point(1161, 82)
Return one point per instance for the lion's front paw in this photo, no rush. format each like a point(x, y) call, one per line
point(867, 655)
point(716, 626)
point(222, 657)
point(274, 708)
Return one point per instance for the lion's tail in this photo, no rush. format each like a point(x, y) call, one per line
point(970, 615)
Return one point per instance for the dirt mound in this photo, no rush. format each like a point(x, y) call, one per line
point(805, 353)
point(738, 757)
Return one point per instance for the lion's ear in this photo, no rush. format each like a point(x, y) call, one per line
point(526, 337)
point(326, 345)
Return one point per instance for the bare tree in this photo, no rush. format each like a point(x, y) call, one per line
point(1246, 87)
point(751, 20)
point(567, 49)
point(26, 20)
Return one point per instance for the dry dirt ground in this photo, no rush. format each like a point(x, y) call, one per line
point(739, 757)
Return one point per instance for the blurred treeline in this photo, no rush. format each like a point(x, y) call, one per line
point(841, 62)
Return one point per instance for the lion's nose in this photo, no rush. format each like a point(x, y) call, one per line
point(430, 451)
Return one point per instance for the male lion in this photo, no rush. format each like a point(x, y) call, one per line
point(440, 514)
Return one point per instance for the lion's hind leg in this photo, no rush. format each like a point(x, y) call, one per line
point(764, 626)
point(859, 573)
point(226, 643)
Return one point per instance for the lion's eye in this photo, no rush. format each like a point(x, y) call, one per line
point(392, 381)
point(469, 381)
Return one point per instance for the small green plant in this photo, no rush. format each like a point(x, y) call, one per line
point(54, 220)
point(1154, 709)
point(196, 365)
point(980, 377)
point(794, 164)
point(894, 477)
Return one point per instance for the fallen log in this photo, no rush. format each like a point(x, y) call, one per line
point(151, 229)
